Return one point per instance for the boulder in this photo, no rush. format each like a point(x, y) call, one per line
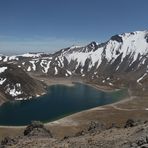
point(36, 128)
point(130, 123)
point(7, 141)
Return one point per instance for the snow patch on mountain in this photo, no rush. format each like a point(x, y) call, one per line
point(32, 55)
point(14, 90)
point(68, 72)
point(56, 71)
point(5, 59)
point(134, 43)
point(2, 69)
point(13, 58)
point(33, 65)
point(73, 47)
point(81, 57)
point(29, 69)
point(45, 65)
point(141, 78)
point(2, 80)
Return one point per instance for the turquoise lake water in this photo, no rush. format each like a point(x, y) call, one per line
point(60, 101)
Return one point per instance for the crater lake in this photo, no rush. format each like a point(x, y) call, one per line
point(60, 101)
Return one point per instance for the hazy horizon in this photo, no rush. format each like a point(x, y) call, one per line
point(37, 46)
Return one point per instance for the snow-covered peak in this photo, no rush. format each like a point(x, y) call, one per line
point(74, 46)
point(33, 55)
point(93, 44)
point(133, 44)
point(130, 43)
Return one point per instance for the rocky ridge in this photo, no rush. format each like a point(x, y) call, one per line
point(122, 57)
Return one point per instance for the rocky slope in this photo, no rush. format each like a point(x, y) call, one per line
point(133, 134)
point(16, 84)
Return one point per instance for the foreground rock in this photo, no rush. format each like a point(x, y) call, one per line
point(36, 136)
point(36, 128)
point(7, 141)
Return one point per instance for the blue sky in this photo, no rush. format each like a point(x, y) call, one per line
point(49, 25)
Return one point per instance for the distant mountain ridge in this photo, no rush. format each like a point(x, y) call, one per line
point(120, 61)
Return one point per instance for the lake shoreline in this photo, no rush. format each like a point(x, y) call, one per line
point(98, 87)
point(70, 83)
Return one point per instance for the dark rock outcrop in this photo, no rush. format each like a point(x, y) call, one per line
point(7, 141)
point(36, 128)
point(116, 38)
point(130, 123)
